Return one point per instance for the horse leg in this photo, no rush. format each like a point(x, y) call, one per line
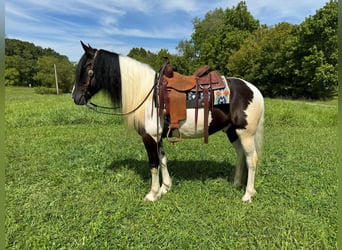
point(166, 180)
point(153, 158)
point(251, 156)
point(240, 177)
point(157, 160)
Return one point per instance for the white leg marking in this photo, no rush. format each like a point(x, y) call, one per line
point(156, 189)
point(166, 186)
point(251, 160)
point(154, 194)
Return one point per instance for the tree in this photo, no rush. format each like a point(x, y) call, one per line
point(219, 35)
point(292, 60)
point(316, 54)
point(12, 76)
point(27, 64)
point(186, 58)
point(65, 74)
point(264, 59)
point(142, 55)
point(46, 75)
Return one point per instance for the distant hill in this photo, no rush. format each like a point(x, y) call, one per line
point(29, 65)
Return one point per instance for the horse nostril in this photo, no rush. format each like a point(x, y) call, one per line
point(80, 99)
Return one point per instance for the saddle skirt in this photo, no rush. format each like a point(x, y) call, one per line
point(178, 92)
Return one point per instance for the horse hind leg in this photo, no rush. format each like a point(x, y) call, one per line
point(240, 177)
point(251, 157)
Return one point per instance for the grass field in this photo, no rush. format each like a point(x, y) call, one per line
point(76, 180)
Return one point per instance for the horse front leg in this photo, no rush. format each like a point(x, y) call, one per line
point(157, 160)
point(166, 184)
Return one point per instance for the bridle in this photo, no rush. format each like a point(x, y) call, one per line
point(97, 108)
point(90, 74)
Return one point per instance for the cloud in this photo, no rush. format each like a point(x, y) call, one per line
point(271, 12)
point(120, 25)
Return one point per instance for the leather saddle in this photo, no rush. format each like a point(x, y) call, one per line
point(173, 89)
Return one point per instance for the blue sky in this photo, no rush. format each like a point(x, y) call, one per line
point(119, 25)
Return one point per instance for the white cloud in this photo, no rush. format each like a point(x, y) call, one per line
point(277, 11)
point(114, 25)
point(18, 12)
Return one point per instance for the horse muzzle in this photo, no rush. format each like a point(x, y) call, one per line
point(81, 99)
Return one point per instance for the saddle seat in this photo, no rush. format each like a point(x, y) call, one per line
point(174, 88)
point(202, 76)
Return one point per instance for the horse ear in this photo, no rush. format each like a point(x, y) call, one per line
point(88, 49)
point(84, 46)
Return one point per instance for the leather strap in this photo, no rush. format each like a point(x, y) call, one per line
point(206, 111)
point(196, 104)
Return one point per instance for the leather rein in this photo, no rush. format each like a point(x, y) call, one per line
point(97, 108)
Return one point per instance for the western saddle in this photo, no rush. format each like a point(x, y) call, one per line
point(173, 90)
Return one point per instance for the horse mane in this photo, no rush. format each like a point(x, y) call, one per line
point(126, 80)
point(137, 80)
point(108, 74)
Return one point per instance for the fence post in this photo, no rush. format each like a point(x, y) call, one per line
point(54, 65)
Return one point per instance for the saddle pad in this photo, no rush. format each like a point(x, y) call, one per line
point(221, 96)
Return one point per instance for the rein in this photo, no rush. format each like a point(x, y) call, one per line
point(97, 108)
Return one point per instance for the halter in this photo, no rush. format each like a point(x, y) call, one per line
point(90, 72)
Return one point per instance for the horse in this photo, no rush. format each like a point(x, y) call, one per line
point(130, 83)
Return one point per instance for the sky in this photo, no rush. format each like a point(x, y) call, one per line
point(120, 25)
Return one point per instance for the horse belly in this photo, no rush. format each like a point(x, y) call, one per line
point(188, 127)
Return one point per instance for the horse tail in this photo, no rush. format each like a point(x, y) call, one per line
point(259, 134)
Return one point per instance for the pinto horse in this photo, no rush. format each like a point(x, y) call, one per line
point(130, 83)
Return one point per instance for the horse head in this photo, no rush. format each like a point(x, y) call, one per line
point(85, 81)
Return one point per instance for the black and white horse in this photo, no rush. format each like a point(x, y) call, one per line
point(129, 82)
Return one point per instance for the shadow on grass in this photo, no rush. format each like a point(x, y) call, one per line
point(182, 170)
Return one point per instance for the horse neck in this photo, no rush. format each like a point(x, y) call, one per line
point(137, 80)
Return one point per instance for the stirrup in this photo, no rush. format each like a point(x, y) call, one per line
point(173, 139)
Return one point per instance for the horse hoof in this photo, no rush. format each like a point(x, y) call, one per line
point(147, 199)
point(164, 189)
point(237, 185)
point(151, 197)
point(247, 200)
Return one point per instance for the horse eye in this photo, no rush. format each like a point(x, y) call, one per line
point(90, 73)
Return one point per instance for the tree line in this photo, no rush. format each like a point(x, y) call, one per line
point(30, 65)
point(284, 60)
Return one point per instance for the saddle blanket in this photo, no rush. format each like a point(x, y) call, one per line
point(221, 96)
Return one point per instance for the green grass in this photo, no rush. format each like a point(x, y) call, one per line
point(76, 180)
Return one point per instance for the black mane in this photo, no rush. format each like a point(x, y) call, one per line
point(107, 73)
